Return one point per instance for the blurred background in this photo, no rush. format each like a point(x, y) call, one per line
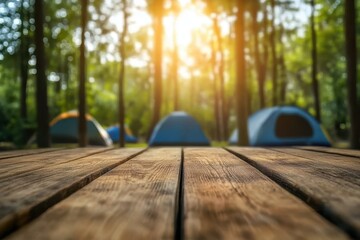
point(162, 56)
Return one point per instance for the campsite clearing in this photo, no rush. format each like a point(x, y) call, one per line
point(180, 193)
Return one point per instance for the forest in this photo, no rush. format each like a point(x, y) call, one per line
point(133, 62)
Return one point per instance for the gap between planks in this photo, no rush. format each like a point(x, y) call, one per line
point(326, 212)
point(179, 202)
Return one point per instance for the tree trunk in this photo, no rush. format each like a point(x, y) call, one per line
point(82, 78)
point(241, 88)
point(258, 62)
point(274, 55)
point(192, 92)
point(158, 45)
point(42, 113)
point(350, 38)
point(24, 66)
point(67, 82)
point(283, 80)
point(216, 92)
point(221, 94)
point(60, 74)
point(315, 85)
point(175, 58)
point(263, 69)
point(24, 72)
point(121, 78)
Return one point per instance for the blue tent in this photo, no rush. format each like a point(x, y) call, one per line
point(283, 126)
point(115, 134)
point(178, 129)
point(64, 129)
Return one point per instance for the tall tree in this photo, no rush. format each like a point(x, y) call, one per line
point(218, 69)
point(24, 65)
point(282, 77)
point(42, 112)
point(241, 88)
point(264, 63)
point(122, 75)
point(274, 55)
point(24, 58)
point(350, 44)
point(158, 11)
point(82, 78)
point(259, 65)
point(221, 72)
point(175, 60)
point(218, 125)
point(315, 84)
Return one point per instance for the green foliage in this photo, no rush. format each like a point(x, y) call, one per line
point(12, 128)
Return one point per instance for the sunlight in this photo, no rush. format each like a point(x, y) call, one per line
point(191, 23)
point(189, 20)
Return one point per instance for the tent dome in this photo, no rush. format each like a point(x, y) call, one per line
point(283, 126)
point(178, 129)
point(64, 129)
point(114, 133)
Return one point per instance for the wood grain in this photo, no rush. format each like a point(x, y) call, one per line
point(331, 187)
point(18, 153)
point(226, 198)
point(335, 160)
point(26, 195)
point(344, 152)
point(23, 164)
point(136, 200)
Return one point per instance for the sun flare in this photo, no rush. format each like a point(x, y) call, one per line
point(190, 19)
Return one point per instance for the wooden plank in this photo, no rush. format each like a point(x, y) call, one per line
point(24, 196)
point(226, 198)
point(133, 201)
point(344, 152)
point(18, 153)
point(338, 161)
point(329, 187)
point(19, 165)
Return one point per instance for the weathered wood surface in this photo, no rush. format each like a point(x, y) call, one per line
point(19, 165)
point(335, 160)
point(331, 187)
point(344, 152)
point(136, 200)
point(18, 153)
point(136, 194)
point(226, 198)
point(27, 194)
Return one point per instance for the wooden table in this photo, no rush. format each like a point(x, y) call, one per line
point(180, 193)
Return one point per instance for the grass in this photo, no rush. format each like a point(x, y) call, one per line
point(136, 145)
point(9, 146)
point(219, 144)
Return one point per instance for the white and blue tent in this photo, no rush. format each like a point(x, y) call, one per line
point(178, 129)
point(283, 126)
